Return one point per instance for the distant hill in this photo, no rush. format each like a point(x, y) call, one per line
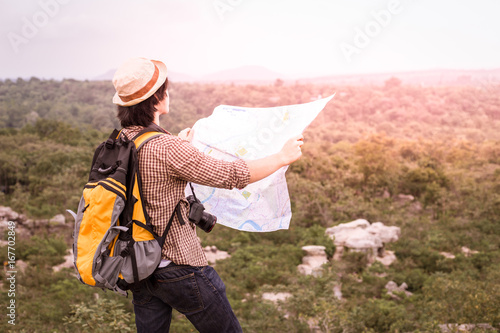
point(425, 78)
point(172, 76)
point(239, 75)
point(262, 75)
point(247, 74)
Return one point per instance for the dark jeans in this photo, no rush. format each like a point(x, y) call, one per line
point(196, 292)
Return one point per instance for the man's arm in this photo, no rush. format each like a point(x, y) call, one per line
point(263, 167)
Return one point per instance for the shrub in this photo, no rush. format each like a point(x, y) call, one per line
point(102, 316)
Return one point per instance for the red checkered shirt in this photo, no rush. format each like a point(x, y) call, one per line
point(166, 164)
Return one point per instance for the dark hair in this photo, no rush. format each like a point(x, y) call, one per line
point(142, 114)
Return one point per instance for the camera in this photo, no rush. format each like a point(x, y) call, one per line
point(203, 220)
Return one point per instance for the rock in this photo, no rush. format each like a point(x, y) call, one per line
point(387, 258)
point(276, 297)
point(21, 265)
point(4, 225)
point(360, 239)
point(314, 250)
point(407, 200)
point(361, 236)
point(359, 223)
point(392, 287)
point(313, 260)
point(7, 214)
point(403, 198)
point(468, 252)
point(340, 233)
point(68, 262)
point(17, 266)
point(213, 254)
point(465, 250)
point(416, 207)
point(447, 255)
point(337, 291)
point(385, 233)
point(339, 252)
point(449, 328)
point(26, 228)
point(58, 219)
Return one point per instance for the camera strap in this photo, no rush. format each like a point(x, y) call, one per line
point(192, 191)
point(177, 211)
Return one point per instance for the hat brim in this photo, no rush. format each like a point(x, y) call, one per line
point(162, 76)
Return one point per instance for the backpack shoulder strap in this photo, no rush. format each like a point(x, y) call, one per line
point(147, 134)
point(141, 139)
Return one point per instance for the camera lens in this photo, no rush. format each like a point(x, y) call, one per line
point(207, 222)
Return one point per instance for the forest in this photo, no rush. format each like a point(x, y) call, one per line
point(372, 143)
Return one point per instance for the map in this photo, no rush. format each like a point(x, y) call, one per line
point(234, 132)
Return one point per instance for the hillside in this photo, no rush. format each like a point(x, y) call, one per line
point(425, 159)
point(400, 110)
point(264, 76)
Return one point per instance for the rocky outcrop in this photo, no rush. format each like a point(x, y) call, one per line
point(452, 328)
point(26, 228)
point(7, 214)
point(361, 236)
point(315, 257)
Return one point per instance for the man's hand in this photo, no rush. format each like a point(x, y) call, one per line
point(265, 166)
point(186, 134)
point(291, 151)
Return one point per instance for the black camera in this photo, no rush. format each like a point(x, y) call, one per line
point(203, 220)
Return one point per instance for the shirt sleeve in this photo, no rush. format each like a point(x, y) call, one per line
point(186, 162)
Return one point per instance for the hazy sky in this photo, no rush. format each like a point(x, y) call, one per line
point(83, 39)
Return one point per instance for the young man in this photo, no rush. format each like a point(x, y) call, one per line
point(183, 280)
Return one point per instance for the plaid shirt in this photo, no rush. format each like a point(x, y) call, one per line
point(166, 164)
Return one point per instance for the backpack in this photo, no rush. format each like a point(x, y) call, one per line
point(114, 245)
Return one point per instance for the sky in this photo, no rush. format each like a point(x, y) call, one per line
point(307, 38)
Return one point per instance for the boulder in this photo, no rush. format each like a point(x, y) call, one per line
point(387, 258)
point(58, 219)
point(362, 239)
point(68, 262)
point(21, 265)
point(313, 260)
point(276, 297)
point(468, 252)
point(359, 223)
point(361, 236)
point(405, 198)
point(337, 291)
point(213, 254)
point(449, 328)
point(447, 255)
point(384, 233)
point(7, 214)
point(392, 287)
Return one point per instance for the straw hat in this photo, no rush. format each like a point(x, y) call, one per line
point(138, 79)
